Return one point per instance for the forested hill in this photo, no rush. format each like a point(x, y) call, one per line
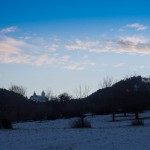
point(12, 105)
point(128, 94)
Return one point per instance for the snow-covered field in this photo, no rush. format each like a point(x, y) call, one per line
point(57, 135)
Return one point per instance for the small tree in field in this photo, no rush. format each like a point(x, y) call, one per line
point(81, 93)
point(79, 124)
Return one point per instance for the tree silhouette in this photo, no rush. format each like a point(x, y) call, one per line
point(18, 89)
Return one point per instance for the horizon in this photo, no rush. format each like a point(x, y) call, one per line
point(60, 45)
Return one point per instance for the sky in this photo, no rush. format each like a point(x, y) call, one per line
point(60, 45)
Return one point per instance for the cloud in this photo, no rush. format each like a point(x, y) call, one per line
point(137, 26)
point(9, 29)
point(90, 46)
point(74, 67)
point(125, 44)
point(12, 45)
point(16, 59)
point(79, 66)
point(12, 41)
point(135, 40)
point(48, 44)
point(64, 59)
point(40, 51)
point(18, 51)
point(130, 45)
point(80, 45)
point(8, 48)
point(40, 60)
point(49, 60)
point(11, 51)
point(33, 60)
point(52, 47)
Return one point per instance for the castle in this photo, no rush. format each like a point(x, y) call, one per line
point(39, 98)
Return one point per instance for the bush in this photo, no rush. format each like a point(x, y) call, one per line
point(79, 123)
point(137, 123)
point(5, 124)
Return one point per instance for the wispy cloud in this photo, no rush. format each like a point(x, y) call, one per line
point(40, 51)
point(80, 45)
point(12, 45)
point(124, 44)
point(15, 59)
point(90, 46)
point(129, 45)
point(49, 60)
point(74, 67)
point(135, 40)
point(18, 51)
point(48, 44)
point(52, 47)
point(40, 60)
point(9, 29)
point(137, 26)
point(79, 66)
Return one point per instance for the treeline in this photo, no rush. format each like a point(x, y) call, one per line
point(130, 95)
point(16, 107)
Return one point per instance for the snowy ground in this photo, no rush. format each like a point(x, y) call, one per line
point(57, 135)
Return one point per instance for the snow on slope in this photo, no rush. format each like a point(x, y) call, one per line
point(57, 135)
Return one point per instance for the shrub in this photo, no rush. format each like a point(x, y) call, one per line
point(80, 123)
point(5, 124)
point(137, 123)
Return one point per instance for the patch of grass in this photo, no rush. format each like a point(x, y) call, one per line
point(79, 123)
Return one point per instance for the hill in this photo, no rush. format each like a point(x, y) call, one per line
point(128, 95)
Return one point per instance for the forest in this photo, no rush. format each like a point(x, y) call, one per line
point(129, 95)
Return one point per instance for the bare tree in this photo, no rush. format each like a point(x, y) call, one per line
point(82, 92)
point(107, 82)
point(49, 94)
point(127, 76)
point(18, 89)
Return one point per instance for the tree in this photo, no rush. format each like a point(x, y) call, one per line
point(131, 95)
point(64, 97)
point(82, 92)
point(49, 94)
point(18, 89)
point(106, 82)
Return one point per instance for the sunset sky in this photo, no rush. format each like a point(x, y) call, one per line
point(61, 44)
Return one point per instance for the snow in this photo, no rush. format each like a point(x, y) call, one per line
point(57, 135)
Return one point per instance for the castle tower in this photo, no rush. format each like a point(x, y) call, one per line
point(34, 94)
point(43, 94)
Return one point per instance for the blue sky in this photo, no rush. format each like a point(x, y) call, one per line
point(61, 44)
